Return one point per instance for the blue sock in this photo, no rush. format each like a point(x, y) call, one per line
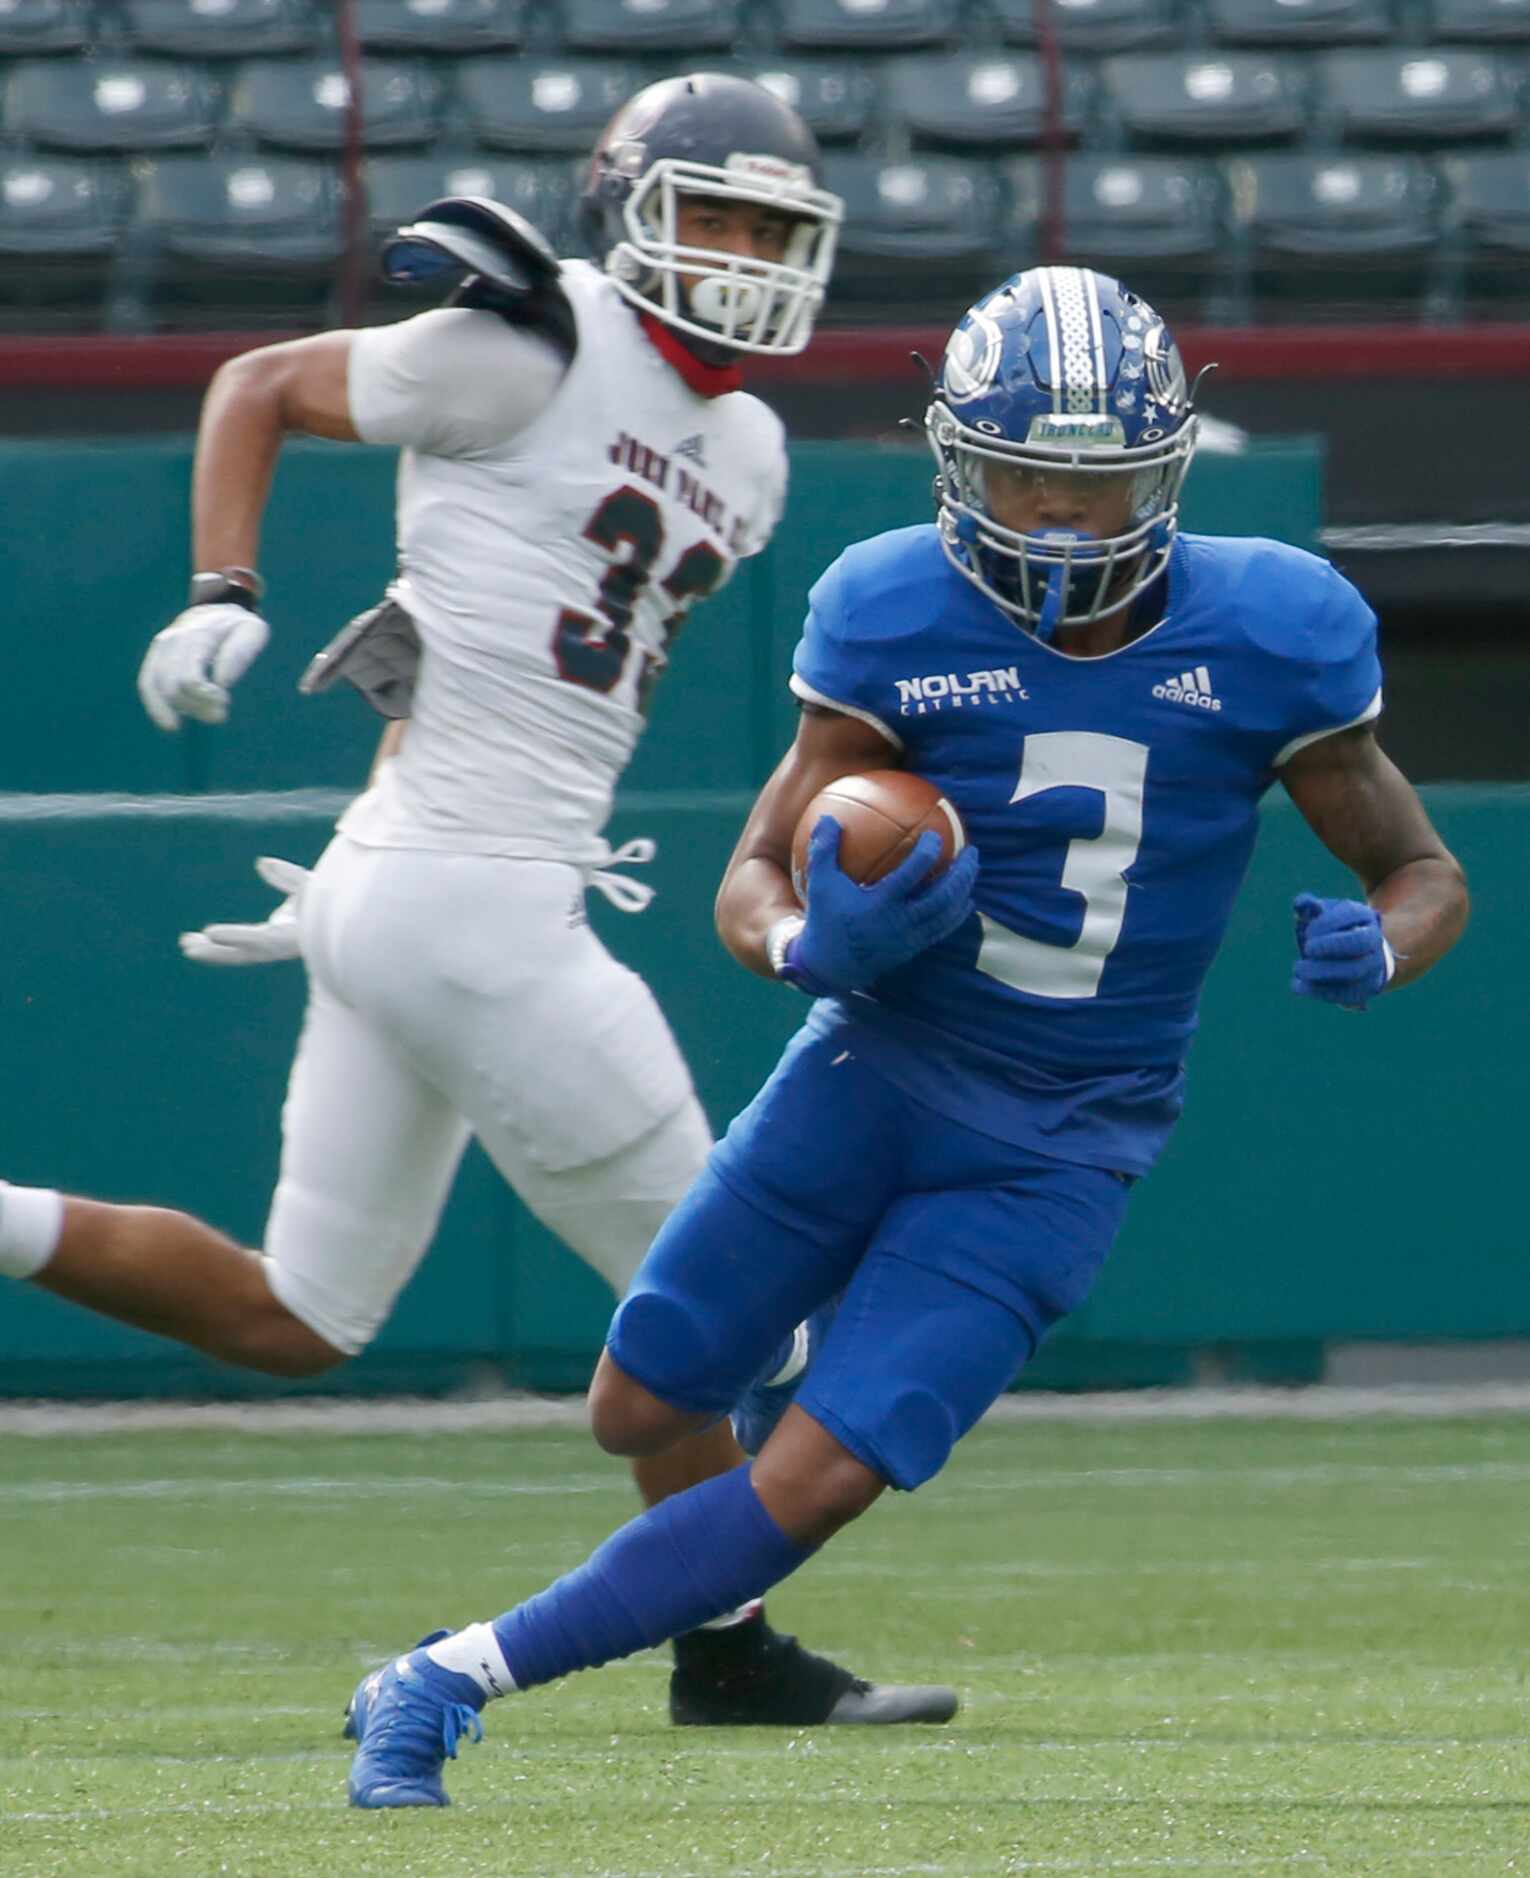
point(678, 1565)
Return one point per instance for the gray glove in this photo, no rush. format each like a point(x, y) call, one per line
point(378, 652)
point(266, 943)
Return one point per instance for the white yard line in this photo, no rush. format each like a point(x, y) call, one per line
point(508, 1413)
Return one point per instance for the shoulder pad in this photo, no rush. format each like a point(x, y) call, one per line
point(474, 235)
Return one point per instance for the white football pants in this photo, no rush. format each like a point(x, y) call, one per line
point(453, 995)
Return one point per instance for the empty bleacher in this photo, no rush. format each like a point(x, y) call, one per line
point(174, 162)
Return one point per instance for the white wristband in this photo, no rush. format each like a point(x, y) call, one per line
point(779, 937)
point(31, 1223)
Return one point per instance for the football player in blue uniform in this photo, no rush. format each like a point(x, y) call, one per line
point(993, 1055)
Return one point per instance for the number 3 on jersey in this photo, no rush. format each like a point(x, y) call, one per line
point(593, 652)
point(1094, 866)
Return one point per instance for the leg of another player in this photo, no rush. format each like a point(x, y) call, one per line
point(368, 1152)
point(161, 1271)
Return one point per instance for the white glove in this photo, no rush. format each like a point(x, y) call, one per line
point(190, 665)
point(268, 943)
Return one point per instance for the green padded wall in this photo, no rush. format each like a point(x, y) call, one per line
point(94, 561)
point(1335, 1176)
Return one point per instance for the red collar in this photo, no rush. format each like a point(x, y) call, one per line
point(710, 381)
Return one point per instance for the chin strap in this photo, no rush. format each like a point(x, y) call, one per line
point(710, 381)
point(1051, 606)
point(1057, 581)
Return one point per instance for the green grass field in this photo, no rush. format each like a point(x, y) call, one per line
point(1218, 1647)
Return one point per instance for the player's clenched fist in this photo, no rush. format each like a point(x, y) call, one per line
point(1343, 955)
point(189, 667)
point(853, 935)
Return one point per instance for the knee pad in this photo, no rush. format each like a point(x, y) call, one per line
point(665, 1342)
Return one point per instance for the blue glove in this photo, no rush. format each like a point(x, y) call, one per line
point(1344, 959)
point(854, 934)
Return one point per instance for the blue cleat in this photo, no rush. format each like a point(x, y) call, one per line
point(406, 1719)
point(764, 1402)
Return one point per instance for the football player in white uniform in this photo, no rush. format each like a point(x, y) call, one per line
point(552, 534)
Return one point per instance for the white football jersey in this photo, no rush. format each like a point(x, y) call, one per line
point(554, 527)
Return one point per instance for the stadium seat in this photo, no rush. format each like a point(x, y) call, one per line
point(833, 97)
point(223, 29)
point(301, 104)
point(1418, 96)
point(247, 238)
point(441, 25)
point(1198, 100)
point(965, 100)
point(637, 26)
point(59, 225)
point(1299, 22)
point(1343, 229)
point(42, 26)
point(921, 231)
point(1158, 222)
point(541, 104)
point(1488, 21)
point(541, 189)
point(1490, 220)
point(1090, 26)
point(868, 25)
point(106, 104)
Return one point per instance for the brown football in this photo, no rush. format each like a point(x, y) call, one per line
point(883, 813)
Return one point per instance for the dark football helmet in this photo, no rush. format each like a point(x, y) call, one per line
point(728, 139)
point(1066, 373)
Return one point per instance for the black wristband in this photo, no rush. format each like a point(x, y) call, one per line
point(220, 588)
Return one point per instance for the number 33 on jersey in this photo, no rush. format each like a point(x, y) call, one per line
point(1114, 801)
point(548, 564)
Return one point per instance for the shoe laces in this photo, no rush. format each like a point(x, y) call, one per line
point(418, 1720)
point(458, 1720)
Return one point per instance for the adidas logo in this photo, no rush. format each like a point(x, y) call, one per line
point(1190, 688)
point(694, 448)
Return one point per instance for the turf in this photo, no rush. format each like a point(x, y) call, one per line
point(1182, 1648)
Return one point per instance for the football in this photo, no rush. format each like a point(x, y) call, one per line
point(883, 813)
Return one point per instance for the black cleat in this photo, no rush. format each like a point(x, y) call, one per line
point(750, 1676)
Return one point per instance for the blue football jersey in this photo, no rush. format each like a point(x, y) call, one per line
point(1114, 801)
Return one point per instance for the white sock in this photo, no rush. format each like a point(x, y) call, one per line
point(475, 1652)
point(741, 1616)
point(31, 1220)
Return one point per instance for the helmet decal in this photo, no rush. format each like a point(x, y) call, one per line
point(771, 168)
point(1072, 307)
point(972, 357)
point(1165, 368)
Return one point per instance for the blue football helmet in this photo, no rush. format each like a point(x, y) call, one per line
point(1066, 388)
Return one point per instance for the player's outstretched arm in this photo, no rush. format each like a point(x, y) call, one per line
point(1366, 813)
point(252, 403)
point(756, 889)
